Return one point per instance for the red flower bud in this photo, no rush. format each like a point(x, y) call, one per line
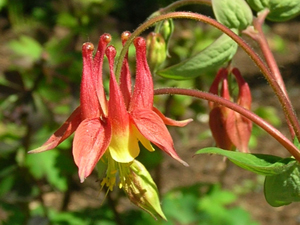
point(230, 129)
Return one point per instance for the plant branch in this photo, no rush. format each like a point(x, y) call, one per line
point(181, 3)
point(258, 36)
point(286, 105)
point(285, 142)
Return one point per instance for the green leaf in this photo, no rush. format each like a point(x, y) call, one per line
point(233, 14)
point(296, 142)
point(3, 3)
point(284, 188)
point(280, 10)
point(258, 163)
point(215, 55)
point(45, 165)
point(27, 47)
point(67, 20)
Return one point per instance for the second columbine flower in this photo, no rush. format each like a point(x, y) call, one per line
point(230, 129)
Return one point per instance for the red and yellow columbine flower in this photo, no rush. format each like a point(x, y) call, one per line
point(230, 129)
point(112, 128)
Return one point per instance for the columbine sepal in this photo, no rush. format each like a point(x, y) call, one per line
point(230, 129)
point(142, 191)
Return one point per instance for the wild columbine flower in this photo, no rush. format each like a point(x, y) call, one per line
point(111, 129)
point(229, 129)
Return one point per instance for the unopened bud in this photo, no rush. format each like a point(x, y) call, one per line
point(230, 129)
point(156, 50)
point(142, 191)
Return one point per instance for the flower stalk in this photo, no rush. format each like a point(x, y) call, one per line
point(285, 103)
point(284, 141)
point(258, 36)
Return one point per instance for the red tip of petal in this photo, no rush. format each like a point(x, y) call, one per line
point(87, 48)
point(111, 53)
point(125, 35)
point(106, 38)
point(171, 122)
point(139, 42)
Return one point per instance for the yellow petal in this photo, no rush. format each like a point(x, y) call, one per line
point(145, 142)
point(124, 147)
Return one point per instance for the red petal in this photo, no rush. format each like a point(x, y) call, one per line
point(153, 128)
point(143, 90)
point(97, 72)
point(89, 103)
point(239, 130)
point(62, 133)
point(171, 122)
point(214, 88)
point(218, 129)
point(117, 111)
point(125, 78)
point(244, 97)
point(91, 139)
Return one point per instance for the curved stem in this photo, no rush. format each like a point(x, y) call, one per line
point(286, 105)
point(181, 3)
point(245, 112)
point(258, 36)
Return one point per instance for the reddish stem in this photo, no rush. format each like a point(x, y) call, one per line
point(285, 142)
point(285, 103)
point(258, 36)
point(181, 3)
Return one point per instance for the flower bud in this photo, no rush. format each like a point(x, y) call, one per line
point(230, 129)
point(156, 50)
point(142, 191)
point(167, 29)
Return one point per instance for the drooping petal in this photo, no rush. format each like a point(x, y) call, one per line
point(153, 128)
point(125, 78)
point(214, 88)
point(91, 140)
point(124, 145)
point(171, 122)
point(239, 130)
point(97, 72)
point(225, 93)
point(218, 129)
point(89, 103)
point(143, 89)
point(69, 126)
point(244, 96)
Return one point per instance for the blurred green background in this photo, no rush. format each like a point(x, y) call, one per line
point(40, 72)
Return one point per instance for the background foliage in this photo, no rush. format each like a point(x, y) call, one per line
point(40, 72)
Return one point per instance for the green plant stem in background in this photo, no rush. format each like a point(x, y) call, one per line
point(258, 36)
point(285, 103)
point(285, 142)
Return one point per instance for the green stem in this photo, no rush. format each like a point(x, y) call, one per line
point(285, 103)
point(258, 36)
point(285, 142)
